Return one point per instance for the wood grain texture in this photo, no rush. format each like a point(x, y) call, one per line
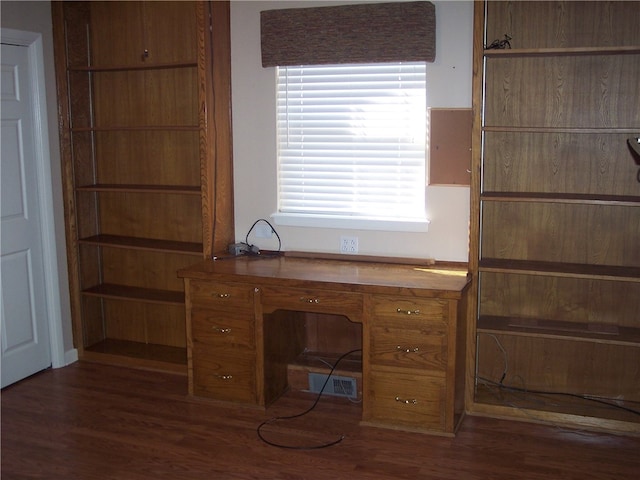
point(597, 91)
point(559, 232)
point(64, 126)
point(564, 24)
point(216, 146)
point(565, 365)
point(407, 337)
point(155, 216)
point(136, 173)
point(159, 149)
point(335, 275)
point(121, 33)
point(560, 163)
point(475, 190)
point(557, 202)
point(577, 300)
point(327, 333)
point(95, 422)
point(146, 98)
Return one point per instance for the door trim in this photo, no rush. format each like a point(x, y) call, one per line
point(33, 42)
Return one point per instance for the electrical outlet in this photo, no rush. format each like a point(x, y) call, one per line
point(348, 244)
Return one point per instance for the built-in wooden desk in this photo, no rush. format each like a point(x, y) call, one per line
point(241, 336)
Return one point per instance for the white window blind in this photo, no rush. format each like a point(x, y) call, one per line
point(351, 140)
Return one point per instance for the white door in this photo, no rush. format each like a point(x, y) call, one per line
point(26, 346)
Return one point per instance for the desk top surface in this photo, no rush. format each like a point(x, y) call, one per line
point(365, 277)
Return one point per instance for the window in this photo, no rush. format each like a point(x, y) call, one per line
point(351, 145)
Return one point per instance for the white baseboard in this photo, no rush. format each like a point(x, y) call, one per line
point(70, 356)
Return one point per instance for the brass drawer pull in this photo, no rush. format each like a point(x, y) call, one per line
point(407, 350)
point(222, 295)
point(408, 312)
point(221, 330)
point(309, 300)
point(413, 401)
point(224, 377)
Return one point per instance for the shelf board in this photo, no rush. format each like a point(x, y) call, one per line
point(555, 408)
point(556, 269)
point(137, 354)
point(548, 197)
point(135, 294)
point(129, 68)
point(136, 128)
point(561, 51)
point(164, 189)
point(543, 328)
point(150, 244)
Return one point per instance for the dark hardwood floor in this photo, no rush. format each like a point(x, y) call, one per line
point(90, 421)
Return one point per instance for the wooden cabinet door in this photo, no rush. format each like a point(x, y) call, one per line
point(164, 24)
point(142, 33)
point(117, 32)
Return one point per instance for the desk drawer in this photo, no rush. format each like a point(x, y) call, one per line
point(413, 312)
point(309, 300)
point(416, 346)
point(219, 328)
point(235, 295)
point(416, 401)
point(224, 375)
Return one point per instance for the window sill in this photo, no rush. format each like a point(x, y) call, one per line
point(332, 221)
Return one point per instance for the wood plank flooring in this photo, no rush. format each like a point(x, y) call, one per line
point(90, 421)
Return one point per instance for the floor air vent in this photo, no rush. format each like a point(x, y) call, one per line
point(336, 386)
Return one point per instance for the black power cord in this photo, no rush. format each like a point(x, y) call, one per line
point(604, 401)
point(276, 419)
point(252, 248)
point(248, 249)
point(500, 44)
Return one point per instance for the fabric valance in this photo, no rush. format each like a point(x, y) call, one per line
point(363, 33)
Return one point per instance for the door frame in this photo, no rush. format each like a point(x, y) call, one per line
point(33, 42)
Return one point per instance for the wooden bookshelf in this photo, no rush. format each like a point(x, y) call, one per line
point(555, 214)
point(145, 123)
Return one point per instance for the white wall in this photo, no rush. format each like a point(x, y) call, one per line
point(254, 140)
